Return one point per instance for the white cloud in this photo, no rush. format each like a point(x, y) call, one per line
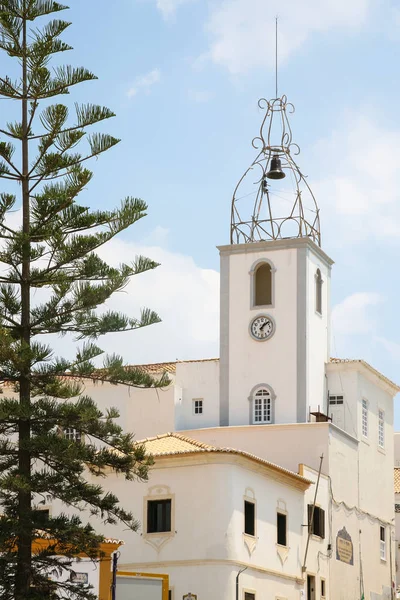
point(144, 82)
point(361, 190)
point(184, 295)
point(355, 314)
point(243, 31)
point(169, 7)
point(200, 96)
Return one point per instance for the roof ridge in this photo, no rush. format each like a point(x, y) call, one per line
point(178, 436)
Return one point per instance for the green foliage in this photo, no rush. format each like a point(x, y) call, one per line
point(55, 249)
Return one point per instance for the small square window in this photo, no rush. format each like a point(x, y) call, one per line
point(72, 434)
point(249, 518)
point(198, 406)
point(158, 516)
point(281, 529)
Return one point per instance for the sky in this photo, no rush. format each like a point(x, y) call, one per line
point(184, 78)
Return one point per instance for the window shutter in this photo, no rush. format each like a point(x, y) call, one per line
point(310, 525)
point(322, 523)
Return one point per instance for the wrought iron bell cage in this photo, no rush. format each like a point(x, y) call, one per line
point(265, 209)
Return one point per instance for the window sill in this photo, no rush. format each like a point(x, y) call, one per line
point(383, 560)
point(316, 538)
point(381, 450)
point(261, 306)
point(365, 440)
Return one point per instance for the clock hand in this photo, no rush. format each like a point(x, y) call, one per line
point(263, 325)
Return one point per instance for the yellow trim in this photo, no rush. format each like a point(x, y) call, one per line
point(165, 579)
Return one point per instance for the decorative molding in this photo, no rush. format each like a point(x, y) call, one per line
point(282, 552)
point(163, 564)
point(250, 542)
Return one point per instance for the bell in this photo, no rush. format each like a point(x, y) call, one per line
point(275, 171)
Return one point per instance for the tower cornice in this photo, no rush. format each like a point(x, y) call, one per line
point(272, 245)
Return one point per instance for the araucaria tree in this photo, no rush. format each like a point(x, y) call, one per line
point(54, 249)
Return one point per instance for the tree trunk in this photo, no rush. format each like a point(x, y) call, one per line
point(23, 571)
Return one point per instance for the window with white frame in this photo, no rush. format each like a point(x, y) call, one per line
point(381, 429)
point(72, 434)
point(383, 543)
point(364, 418)
point(262, 406)
point(198, 406)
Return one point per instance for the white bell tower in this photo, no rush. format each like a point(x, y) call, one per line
point(275, 289)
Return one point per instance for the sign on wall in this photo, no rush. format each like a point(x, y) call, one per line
point(344, 547)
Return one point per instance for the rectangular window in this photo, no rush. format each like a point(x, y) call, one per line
point(365, 418)
point(249, 518)
point(383, 543)
point(381, 429)
point(317, 524)
point(198, 406)
point(322, 588)
point(281, 529)
point(249, 596)
point(72, 434)
point(333, 400)
point(158, 516)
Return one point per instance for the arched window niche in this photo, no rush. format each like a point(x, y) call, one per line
point(318, 292)
point(262, 405)
point(262, 276)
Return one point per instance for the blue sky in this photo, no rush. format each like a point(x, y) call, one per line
point(184, 77)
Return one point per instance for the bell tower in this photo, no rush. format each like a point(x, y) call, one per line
point(275, 288)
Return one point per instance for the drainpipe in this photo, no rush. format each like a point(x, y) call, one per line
point(237, 582)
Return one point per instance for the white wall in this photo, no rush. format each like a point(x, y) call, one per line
point(197, 379)
point(208, 547)
point(274, 361)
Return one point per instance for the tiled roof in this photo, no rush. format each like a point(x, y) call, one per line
point(173, 444)
point(397, 481)
point(169, 367)
point(367, 366)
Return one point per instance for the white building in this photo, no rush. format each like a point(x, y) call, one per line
point(228, 506)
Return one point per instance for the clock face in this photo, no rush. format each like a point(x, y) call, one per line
point(262, 327)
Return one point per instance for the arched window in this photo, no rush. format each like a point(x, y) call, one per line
point(318, 292)
point(262, 274)
point(262, 406)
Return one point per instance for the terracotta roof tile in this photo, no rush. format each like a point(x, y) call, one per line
point(173, 444)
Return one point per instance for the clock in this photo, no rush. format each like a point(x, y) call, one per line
point(262, 328)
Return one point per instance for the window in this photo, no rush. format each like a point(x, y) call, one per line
point(323, 593)
point(262, 406)
point(40, 516)
point(158, 516)
point(317, 525)
point(263, 285)
point(381, 428)
point(249, 518)
point(318, 292)
point(249, 596)
point(198, 406)
point(72, 434)
point(333, 400)
point(365, 418)
point(383, 543)
point(281, 529)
